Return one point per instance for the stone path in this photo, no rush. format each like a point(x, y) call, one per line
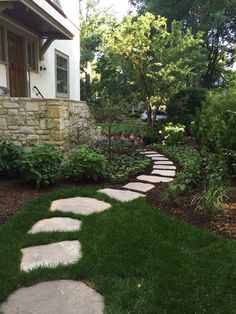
point(67, 296)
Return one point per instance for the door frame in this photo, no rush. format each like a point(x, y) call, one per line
point(26, 34)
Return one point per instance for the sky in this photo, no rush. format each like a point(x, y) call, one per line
point(120, 7)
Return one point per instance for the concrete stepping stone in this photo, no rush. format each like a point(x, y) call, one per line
point(56, 224)
point(164, 167)
point(138, 186)
point(50, 255)
point(167, 173)
point(79, 205)
point(163, 162)
point(154, 179)
point(160, 158)
point(121, 195)
point(55, 297)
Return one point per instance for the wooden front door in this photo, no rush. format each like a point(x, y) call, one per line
point(17, 69)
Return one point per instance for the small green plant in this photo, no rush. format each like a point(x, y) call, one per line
point(172, 134)
point(10, 157)
point(85, 163)
point(211, 199)
point(174, 189)
point(41, 165)
point(122, 167)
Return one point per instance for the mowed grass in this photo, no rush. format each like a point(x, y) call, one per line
point(140, 260)
point(135, 126)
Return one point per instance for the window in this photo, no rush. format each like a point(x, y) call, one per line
point(62, 75)
point(32, 55)
point(2, 44)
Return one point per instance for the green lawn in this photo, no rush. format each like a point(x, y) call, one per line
point(141, 260)
point(127, 126)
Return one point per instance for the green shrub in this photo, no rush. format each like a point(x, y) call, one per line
point(85, 163)
point(215, 127)
point(10, 157)
point(173, 134)
point(118, 146)
point(184, 105)
point(41, 165)
point(150, 136)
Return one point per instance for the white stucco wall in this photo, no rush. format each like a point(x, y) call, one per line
point(3, 78)
point(45, 80)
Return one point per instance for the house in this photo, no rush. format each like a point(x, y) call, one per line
point(40, 72)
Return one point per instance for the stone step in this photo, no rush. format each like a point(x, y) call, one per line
point(148, 152)
point(165, 173)
point(56, 224)
point(154, 179)
point(155, 155)
point(163, 162)
point(55, 297)
point(163, 167)
point(121, 195)
point(138, 186)
point(50, 255)
point(79, 205)
point(160, 159)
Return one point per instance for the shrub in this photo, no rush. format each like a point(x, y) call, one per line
point(173, 134)
point(118, 146)
point(85, 163)
point(215, 127)
point(184, 105)
point(10, 157)
point(41, 165)
point(150, 136)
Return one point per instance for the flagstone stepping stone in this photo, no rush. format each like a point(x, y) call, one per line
point(121, 195)
point(50, 255)
point(163, 162)
point(154, 179)
point(164, 167)
point(138, 186)
point(167, 173)
point(160, 158)
point(80, 205)
point(154, 155)
point(148, 152)
point(56, 224)
point(55, 297)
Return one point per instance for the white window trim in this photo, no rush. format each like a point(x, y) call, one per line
point(63, 55)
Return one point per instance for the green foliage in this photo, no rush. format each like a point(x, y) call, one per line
point(118, 147)
point(184, 105)
point(85, 163)
point(173, 134)
point(122, 167)
point(10, 157)
point(211, 199)
point(150, 135)
point(215, 128)
point(41, 165)
point(216, 19)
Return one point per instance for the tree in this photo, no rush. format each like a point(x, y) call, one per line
point(162, 60)
point(216, 18)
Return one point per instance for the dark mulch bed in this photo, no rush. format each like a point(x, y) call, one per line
point(223, 222)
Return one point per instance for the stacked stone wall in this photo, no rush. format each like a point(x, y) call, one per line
point(28, 122)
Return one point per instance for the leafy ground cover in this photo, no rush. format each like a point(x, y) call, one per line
point(141, 260)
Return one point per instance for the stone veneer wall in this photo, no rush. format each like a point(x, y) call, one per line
point(28, 122)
